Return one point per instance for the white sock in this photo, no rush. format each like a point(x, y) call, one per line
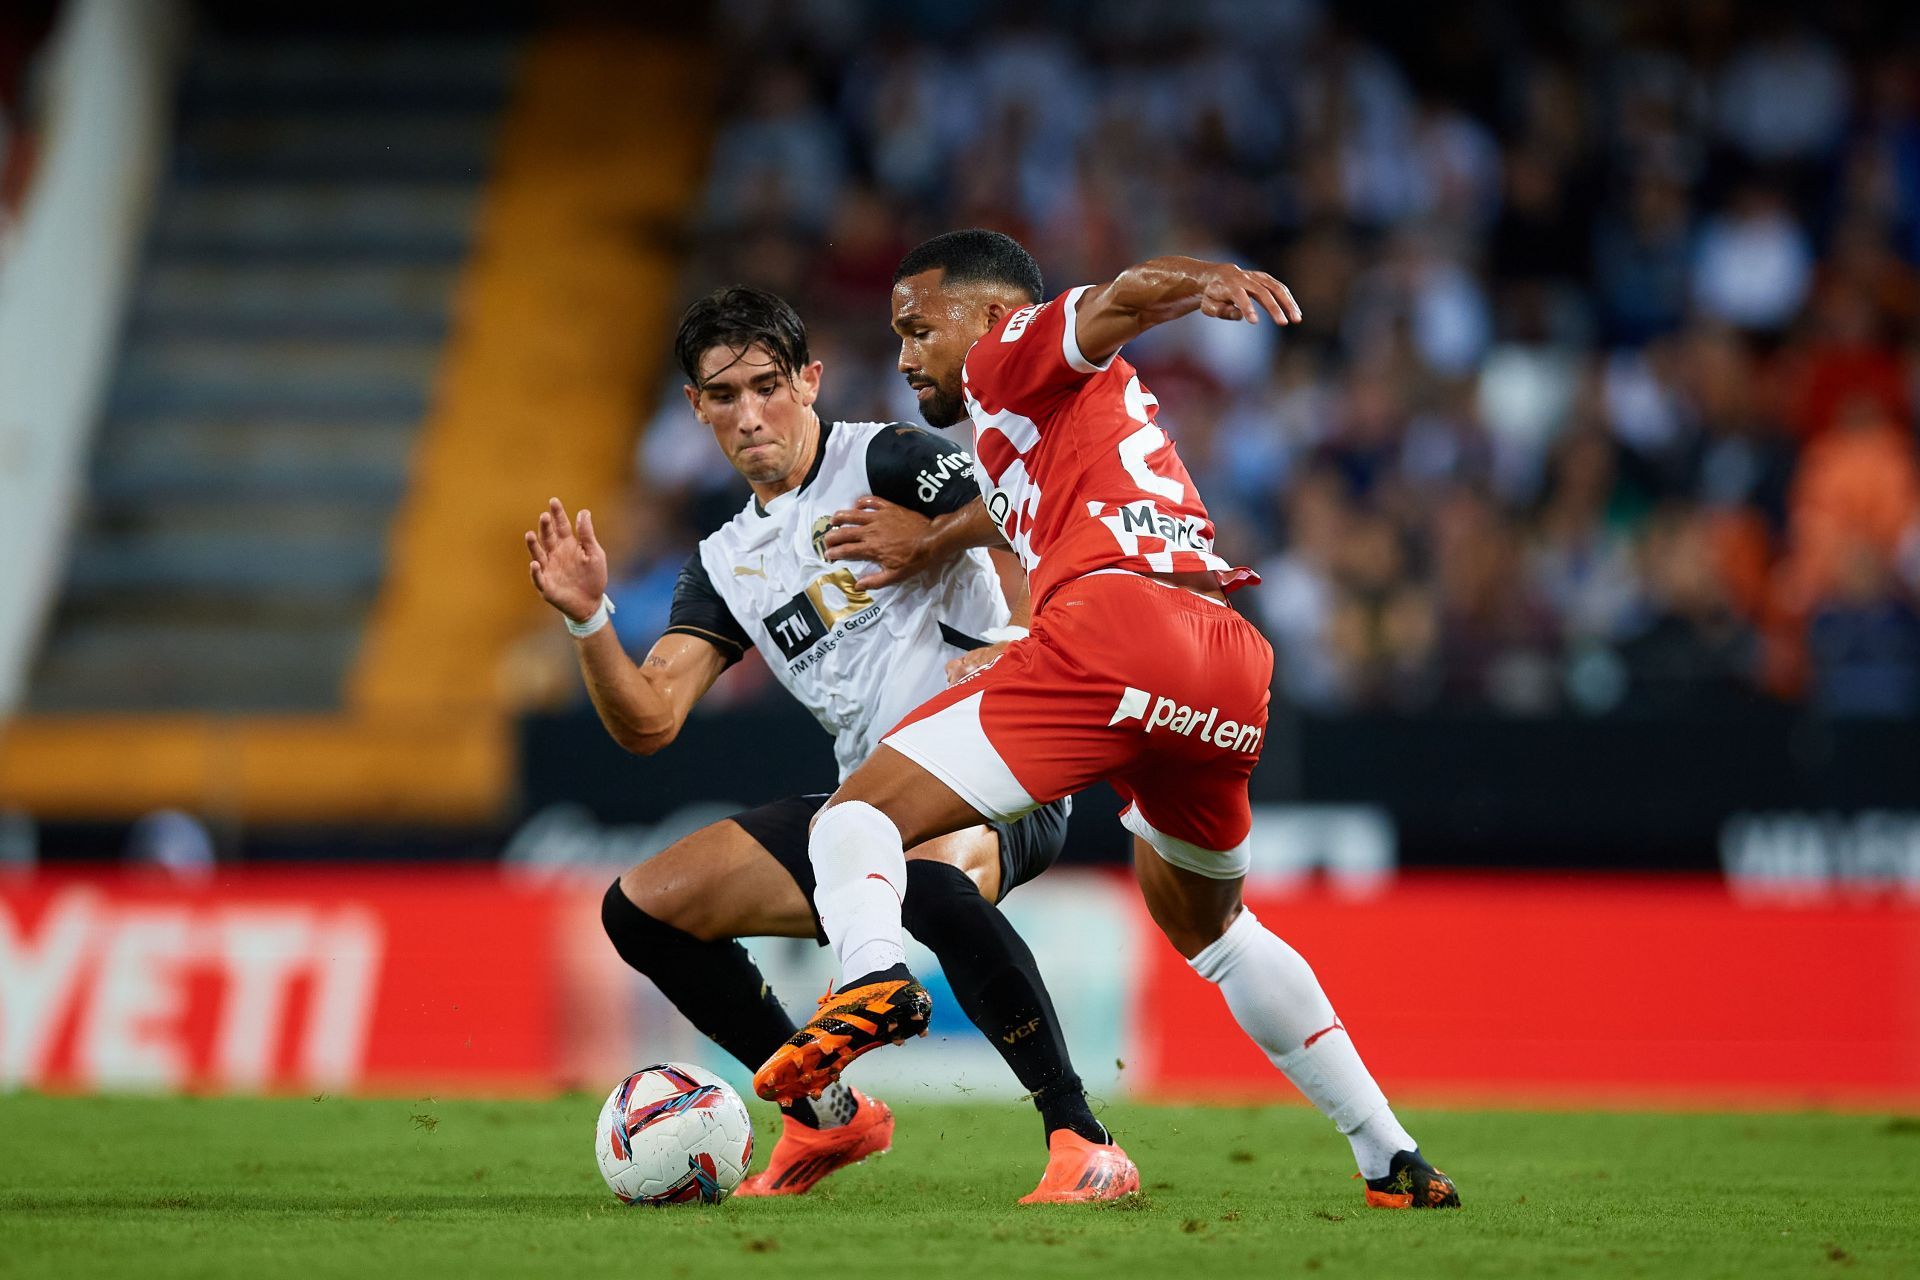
point(834, 1107)
point(860, 874)
point(1278, 1002)
point(1378, 1139)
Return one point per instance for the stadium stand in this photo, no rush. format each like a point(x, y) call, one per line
point(287, 593)
point(1603, 408)
point(1575, 278)
point(277, 364)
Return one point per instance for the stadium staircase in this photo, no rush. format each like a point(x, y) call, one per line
point(394, 298)
point(277, 365)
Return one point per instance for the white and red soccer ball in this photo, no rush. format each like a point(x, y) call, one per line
point(673, 1134)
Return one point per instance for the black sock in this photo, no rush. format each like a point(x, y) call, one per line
point(1064, 1106)
point(716, 985)
point(892, 973)
point(995, 979)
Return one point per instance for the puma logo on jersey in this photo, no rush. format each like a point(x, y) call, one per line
point(1156, 712)
point(741, 571)
point(934, 479)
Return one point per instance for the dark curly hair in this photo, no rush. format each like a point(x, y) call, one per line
point(739, 318)
point(976, 256)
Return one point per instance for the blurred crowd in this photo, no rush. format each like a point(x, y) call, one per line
point(1605, 397)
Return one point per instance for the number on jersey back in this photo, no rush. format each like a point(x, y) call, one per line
point(1075, 470)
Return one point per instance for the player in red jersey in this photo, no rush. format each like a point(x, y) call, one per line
point(1136, 671)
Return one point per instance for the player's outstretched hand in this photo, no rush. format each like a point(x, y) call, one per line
point(569, 565)
point(973, 660)
point(884, 533)
point(1234, 293)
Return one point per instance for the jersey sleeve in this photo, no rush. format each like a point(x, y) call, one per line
point(1030, 360)
point(920, 470)
point(699, 611)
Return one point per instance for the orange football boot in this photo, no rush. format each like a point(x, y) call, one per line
point(1412, 1183)
point(848, 1024)
point(804, 1155)
point(1080, 1170)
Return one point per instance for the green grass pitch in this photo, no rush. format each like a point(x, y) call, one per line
point(128, 1187)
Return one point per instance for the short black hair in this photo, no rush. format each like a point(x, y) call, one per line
point(976, 256)
point(737, 318)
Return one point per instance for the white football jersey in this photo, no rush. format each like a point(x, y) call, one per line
point(858, 660)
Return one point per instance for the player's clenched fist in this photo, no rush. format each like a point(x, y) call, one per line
point(569, 565)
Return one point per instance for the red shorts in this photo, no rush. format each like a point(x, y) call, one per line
point(1150, 687)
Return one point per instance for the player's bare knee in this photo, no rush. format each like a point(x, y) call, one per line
point(1209, 926)
point(667, 899)
point(985, 874)
point(981, 861)
point(974, 852)
point(697, 914)
point(1187, 940)
point(1193, 926)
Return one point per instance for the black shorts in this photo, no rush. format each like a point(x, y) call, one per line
point(1027, 847)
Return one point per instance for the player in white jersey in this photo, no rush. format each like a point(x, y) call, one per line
point(859, 659)
point(769, 566)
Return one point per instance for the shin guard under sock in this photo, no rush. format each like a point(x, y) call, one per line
point(1275, 997)
point(997, 983)
point(860, 877)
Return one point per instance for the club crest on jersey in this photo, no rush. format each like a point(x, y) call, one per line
point(821, 528)
point(1156, 712)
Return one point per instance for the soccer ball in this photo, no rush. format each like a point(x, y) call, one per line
point(673, 1134)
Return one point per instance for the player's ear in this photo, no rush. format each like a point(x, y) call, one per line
point(806, 383)
point(693, 398)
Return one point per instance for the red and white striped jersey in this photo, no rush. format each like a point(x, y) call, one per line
point(1075, 472)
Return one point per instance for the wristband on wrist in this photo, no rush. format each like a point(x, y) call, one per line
point(1005, 635)
point(594, 621)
